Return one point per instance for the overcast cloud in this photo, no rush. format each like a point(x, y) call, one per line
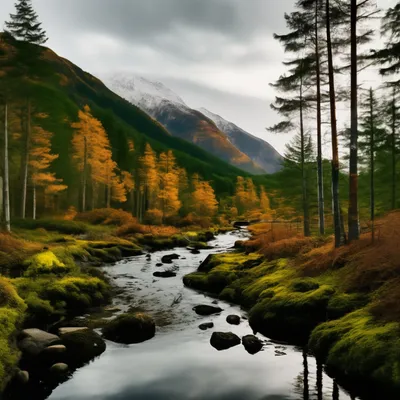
point(217, 54)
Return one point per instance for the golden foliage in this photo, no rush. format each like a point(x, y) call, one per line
point(135, 227)
point(106, 216)
point(204, 201)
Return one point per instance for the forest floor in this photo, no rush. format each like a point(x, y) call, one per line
point(343, 304)
point(48, 268)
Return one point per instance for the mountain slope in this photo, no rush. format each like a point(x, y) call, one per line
point(257, 149)
point(59, 88)
point(179, 119)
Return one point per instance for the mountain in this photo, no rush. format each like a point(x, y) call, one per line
point(257, 149)
point(180, 120)
point(59, 88)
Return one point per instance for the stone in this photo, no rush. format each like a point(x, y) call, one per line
point(206, 309)
point(159, 264)
point(167, 259)
point(59, 369)
point(206, 325)
point(22, 377)
point(130, 328)
point(63, 331)
point(195, 251)
point(252, 344)
point(83, 345)
point(233, 319)
point(164, 274)
point(224, 340)
point(34, 341)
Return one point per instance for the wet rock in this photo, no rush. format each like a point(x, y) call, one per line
point(22, 377)
point(224, 340)
point(69, 329)
point(279, 353)
point(206, 310)
point(59, 369)
point(233, 319)
point(252, 344)
point(215, 302)
point(206, 325)
point(83, 345)
point(195, 251)
point(159, 264)
point(34, 341)
point(167, 259)
point(52, 355)
point(130, 328)
point(164, 274)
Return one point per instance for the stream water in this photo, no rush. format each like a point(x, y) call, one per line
point(179, 363)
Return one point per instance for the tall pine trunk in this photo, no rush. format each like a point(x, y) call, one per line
point(34, 201)
point(84, 178)
point(354, 231)
point(393, 149)
point(321, 206)
point(335, 152)
point(306, 216)
point(6, 173)
point(372, 163)
point(26, 161)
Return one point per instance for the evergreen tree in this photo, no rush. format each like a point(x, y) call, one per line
point(24, 25)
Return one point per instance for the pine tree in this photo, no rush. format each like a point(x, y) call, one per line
point(6, 189)
point(149, 180)
point(24, 25)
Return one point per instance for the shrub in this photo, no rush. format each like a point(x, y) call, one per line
point(106, 216)
point(136, 228)
point(58, 225)
point(154, 217)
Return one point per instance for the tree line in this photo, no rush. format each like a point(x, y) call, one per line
point(328, 42)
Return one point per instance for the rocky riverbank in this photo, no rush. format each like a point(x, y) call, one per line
point(291, 299)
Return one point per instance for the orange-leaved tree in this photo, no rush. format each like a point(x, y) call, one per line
point(204, 202)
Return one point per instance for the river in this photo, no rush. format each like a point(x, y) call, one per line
point(179, 363)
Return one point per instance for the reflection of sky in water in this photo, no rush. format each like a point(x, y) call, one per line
point(179, 363)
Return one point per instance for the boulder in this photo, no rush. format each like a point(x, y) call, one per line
point(159, 264)
point(52, 354)
point(195, 251)
point(233, 319)
point(224, 340)
point(164, 274)
point(59, 369)
point(252, 344)
point(206, 325)
point(22, 377)
point(83, 345)
point(130, 328)
point(34, 341)
point(63, 331)
point(206, 310)
point(167, 259)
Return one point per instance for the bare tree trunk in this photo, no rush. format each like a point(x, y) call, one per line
point(372, 163)
point(335, 152)
point(6, 173)
point(393, 144)
point(354, 230)
point(84, 179)
point(34, 201)
point(108, 195)
point(321, 206)
point(26, 162)
point(306, 217)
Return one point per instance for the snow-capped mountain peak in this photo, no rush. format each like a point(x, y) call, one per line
point(142, 92)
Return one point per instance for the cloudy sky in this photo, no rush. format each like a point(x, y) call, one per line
point(217, 54)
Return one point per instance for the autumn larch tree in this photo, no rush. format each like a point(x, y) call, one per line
point(204, 202)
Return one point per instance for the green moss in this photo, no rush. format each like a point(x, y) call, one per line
point(57, 225)
point(46, 263)
point(344, 303)
point(304, 285)
point(360, 345)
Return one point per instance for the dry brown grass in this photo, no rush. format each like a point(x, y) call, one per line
point(134, 227)
point(106, 216)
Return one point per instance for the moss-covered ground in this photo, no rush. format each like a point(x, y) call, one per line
point(338, 303)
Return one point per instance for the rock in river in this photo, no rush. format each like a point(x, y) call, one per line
point(224, 340)
point(252, 344)
point(206, 310)
point(164, 274)
point(83, 345)
point(233, 319)
point(206, 325)
point(167, 259)
point(34, 341)
point(130, 328)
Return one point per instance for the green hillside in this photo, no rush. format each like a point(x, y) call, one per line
point(59, 88)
